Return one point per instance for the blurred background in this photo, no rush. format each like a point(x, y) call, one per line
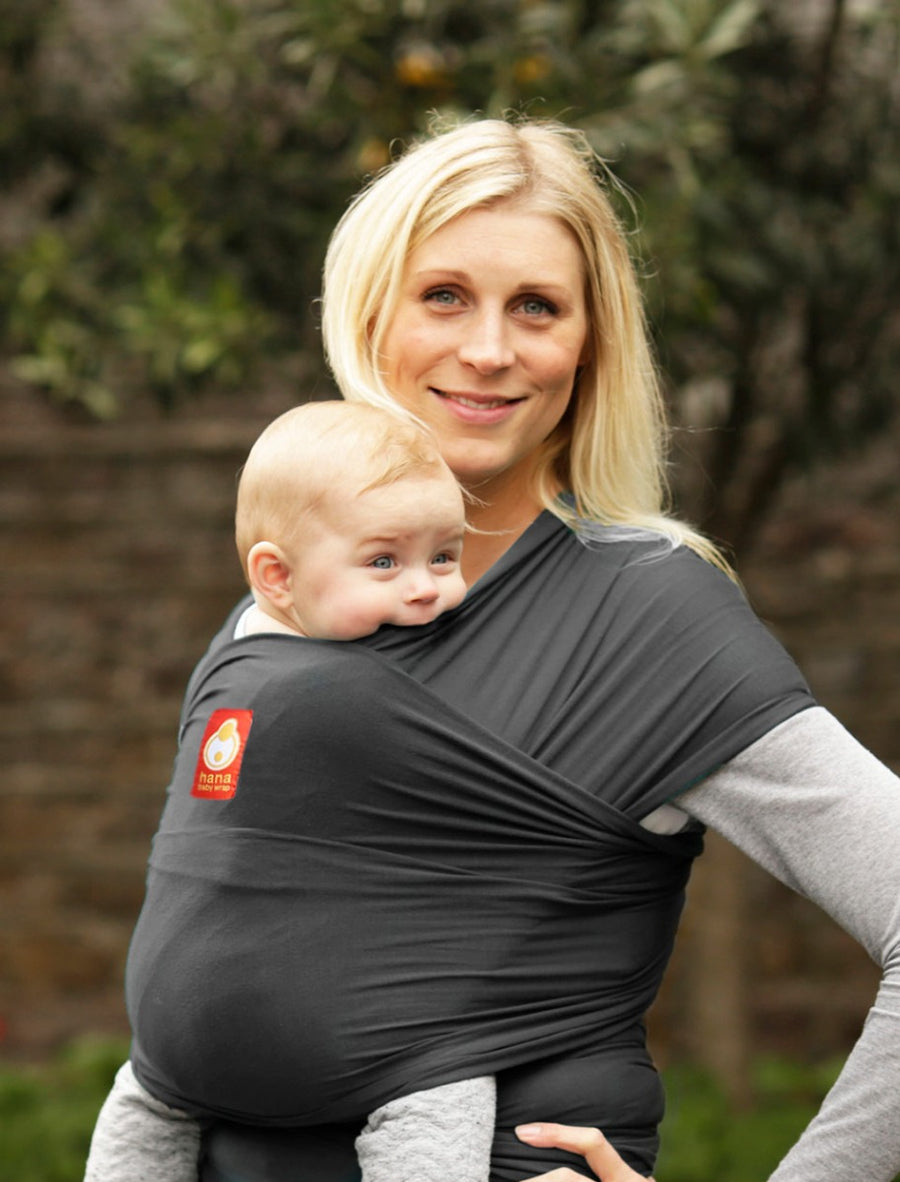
point(169, 173)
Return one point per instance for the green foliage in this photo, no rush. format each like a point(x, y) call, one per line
point(783, 258)
point(173, 234)
point(704, 1137)
point(47, 1112)
point(24, 126)
point(198, 207)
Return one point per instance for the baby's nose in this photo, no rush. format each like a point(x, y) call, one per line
point(420, 588)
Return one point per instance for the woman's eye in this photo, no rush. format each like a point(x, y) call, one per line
point(441, 295)
point(382, 562)
point(535, 306)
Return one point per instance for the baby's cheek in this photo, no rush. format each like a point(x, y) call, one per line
point(457, 591)
point(362, 613)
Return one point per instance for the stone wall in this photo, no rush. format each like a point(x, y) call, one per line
point(118, 565)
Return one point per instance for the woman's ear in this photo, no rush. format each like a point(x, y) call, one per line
point(270, 573)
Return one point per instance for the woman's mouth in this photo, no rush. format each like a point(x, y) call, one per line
point(477, 404)
point(475, 408)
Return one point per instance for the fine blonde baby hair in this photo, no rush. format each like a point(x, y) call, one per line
point(317, 449)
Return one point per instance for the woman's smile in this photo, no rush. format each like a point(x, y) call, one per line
point(475, 408)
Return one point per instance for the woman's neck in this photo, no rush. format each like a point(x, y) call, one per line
point(499, 523)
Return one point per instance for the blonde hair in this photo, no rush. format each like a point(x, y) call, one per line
point(610, 448)
point(319, 448)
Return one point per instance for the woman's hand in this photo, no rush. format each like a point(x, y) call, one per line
point(590, 1143)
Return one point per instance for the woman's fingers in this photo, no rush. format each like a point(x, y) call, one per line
point(590, 1143)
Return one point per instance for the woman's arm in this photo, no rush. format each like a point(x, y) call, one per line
point(817, 810)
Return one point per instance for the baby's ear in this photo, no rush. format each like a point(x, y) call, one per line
point(269, 573)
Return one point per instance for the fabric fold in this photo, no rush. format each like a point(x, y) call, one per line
point(431, 865)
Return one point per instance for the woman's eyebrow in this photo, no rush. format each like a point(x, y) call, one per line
point(451, 273)
point(441, 272)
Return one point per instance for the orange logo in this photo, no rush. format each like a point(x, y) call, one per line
point(221, 754)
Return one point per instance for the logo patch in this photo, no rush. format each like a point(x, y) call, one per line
point(221, 754)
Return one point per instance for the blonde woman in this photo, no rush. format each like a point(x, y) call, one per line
point(603, 692)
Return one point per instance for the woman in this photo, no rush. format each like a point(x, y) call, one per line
point(483, 285)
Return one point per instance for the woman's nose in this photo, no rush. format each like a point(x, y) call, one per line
point(486, 345)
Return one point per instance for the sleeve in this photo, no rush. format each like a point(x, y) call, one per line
point(137, 1136)
point(812, 806)
point(430, 1136)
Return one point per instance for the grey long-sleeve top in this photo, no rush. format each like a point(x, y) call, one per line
point(821, 813)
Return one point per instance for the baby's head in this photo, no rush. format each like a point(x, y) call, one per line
point(348, 518)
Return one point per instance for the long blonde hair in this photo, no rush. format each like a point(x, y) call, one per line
point(610, 448)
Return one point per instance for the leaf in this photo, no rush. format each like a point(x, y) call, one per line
point(731, 30)
point(659, 76)
point(673, 29)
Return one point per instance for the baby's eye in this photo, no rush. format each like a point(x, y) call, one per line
point(382, 562)
point(442, 559)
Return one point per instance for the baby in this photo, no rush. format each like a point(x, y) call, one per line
point(347, 519)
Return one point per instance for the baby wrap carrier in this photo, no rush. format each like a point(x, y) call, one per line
point(430, 865)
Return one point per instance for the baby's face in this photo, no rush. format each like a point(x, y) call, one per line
point(390, 555)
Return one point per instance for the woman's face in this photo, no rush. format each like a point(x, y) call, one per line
point(489, 330)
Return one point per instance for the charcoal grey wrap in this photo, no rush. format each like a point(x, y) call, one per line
point(433, 867)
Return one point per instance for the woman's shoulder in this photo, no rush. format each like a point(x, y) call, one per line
point(645, 562)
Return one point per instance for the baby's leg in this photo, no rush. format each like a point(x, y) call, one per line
point(139, 1139)
point(432, 1136)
